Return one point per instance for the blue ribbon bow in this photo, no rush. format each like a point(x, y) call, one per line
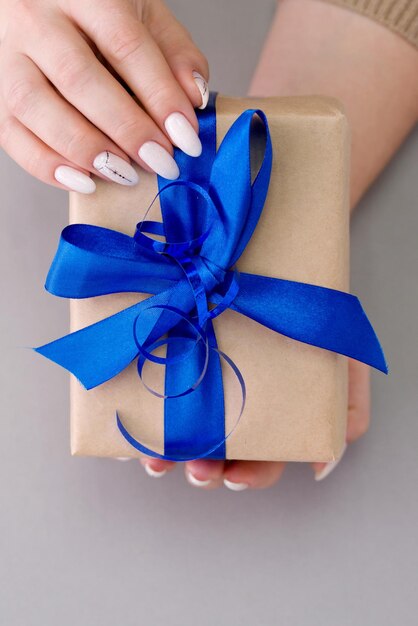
point(209, 216)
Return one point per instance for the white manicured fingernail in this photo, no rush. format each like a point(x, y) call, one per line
point(235, 486)
point(203, 87)
point(158, 159)
point(329, 467)
point(123, 458)
point(115, 168)
point(74, 179)
point(153, 472)
point(196, 482)
point(183, 135)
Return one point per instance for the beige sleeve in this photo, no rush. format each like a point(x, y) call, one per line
point(401, 16)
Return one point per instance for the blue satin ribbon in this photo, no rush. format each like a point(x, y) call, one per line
point(208, 217)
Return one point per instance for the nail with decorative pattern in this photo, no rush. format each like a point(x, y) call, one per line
point(115, 168)
point(203, 87)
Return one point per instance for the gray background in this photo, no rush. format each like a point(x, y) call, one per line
point(86, 542)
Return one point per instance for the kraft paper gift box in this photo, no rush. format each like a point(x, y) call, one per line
point(296, 405)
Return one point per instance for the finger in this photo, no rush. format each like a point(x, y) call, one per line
point(156, 468)
point(186, 61)
point(40, 160)
point(129, 47)
point(203, 473)
point(33, 101)
point(358, 414)
point(240, 475)
point(85, 83)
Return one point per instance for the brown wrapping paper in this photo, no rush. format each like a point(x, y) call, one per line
point(296, 394)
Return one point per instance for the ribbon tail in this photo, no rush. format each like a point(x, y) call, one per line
point(99, 352)
point(319, 316)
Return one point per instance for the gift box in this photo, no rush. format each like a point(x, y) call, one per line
point(295, 393)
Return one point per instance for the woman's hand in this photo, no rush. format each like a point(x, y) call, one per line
point(68, 71)
point(239, 475)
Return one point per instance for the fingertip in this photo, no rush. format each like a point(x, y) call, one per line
point(74, 179)
point(234, 486)
point(254, 474)
point(204, 473)
point(194, 84)
point(196, 482)
point(156, 468)
point(322, 470)
point(183, 134)
point(158, 160)
point(204, 469)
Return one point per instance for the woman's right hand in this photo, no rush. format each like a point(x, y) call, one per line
point(68, 71)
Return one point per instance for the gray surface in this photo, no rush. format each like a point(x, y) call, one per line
point(86, 542)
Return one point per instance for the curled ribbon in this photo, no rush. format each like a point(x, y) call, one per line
point(209, 215)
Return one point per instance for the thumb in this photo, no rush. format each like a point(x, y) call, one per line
point(358, 414)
